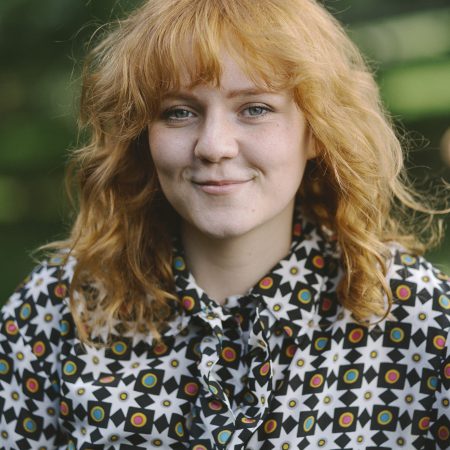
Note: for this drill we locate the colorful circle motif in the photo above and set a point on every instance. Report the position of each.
(318, 262)
(60, 290)
(64, 327)
(285, 446)
(408, 260)
(4, 367)
(326, 304)
(392, 376)
(304, 296)
(119, 348)
(424, 423)
(248, 420)
(224, 436)
(32, 385)
(397, 335)
(444, 301)
(447, 371)
(29, 425)
(107, 379)
(264, 370)
(215, 405)
(123, 396)
(290, 351)
(293, 270)
(64, 408)
(25, 311)
(39, 348)
(443, 433)
(288, 330)
(316, 381)
(439, 342)
(191, 388)
(297, 231)
(179, 263)
(266, 283)
(138, 420)
(188, 302)
(270, 426)
(292, 403)
(356, 335)
(97, 414)
(229, 354)
(346, 419)
(384, 417)
(160, 348)
(149, 380)
(432, 383)
(199, 447)
(179, 429)
(11, 328)
(320, 343)
(403, 292)
(213, 389)
(309, 423)
(69, 368)
(351, 376)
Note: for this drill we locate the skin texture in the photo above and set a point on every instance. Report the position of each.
(230, 160)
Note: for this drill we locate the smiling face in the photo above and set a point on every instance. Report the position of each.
(230, 159)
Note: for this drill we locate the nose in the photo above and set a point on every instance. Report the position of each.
(217, 139)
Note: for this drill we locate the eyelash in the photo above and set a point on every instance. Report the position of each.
(168, 114)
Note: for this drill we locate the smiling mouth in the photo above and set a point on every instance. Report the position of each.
(220, 187)
(220, 182)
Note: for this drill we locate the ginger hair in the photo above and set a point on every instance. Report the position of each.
(356, 186)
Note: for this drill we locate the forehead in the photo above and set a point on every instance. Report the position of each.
(231, 75)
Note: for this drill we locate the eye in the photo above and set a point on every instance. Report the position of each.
(256, 111)
(177, 114)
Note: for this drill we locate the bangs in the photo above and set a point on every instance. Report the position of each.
(187, 42)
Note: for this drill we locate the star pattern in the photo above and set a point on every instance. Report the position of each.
(283, 367)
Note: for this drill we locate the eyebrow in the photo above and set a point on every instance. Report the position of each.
(247, 92)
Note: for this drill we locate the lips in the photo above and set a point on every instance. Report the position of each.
(220, 187)
(219, 182)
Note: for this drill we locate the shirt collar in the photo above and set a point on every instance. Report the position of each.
(298, 293)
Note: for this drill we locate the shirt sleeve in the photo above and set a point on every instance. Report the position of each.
(29, 367)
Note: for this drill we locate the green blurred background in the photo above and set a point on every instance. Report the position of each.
(42, 44)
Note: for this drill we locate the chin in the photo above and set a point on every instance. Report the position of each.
(224, 230)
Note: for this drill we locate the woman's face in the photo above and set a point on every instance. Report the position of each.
(231, 158)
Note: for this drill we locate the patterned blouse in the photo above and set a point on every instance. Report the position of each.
(283, 367)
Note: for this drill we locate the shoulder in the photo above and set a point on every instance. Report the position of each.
(40, 301)
(421, 294)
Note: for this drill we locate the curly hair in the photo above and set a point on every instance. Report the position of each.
(355, 187)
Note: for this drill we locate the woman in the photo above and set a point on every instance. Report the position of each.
(244, 269)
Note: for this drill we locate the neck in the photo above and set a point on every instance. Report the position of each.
(231, 266)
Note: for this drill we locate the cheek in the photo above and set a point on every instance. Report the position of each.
(164, 152)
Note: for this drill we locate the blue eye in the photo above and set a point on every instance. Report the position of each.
(255, 111)
(177, 114)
